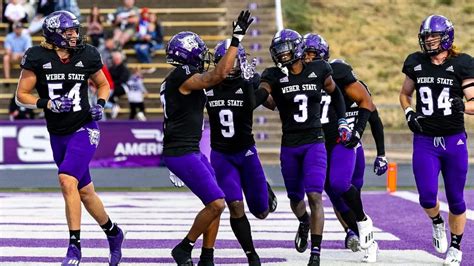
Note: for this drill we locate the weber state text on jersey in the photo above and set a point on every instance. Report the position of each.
(298, 100)
(183, 113)
(435, 85)
(343, 75)
(55, 79)
(230, 107)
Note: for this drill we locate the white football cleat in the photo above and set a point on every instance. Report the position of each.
(371, 253)
(366, 233)
(454, 257)
(440, 242)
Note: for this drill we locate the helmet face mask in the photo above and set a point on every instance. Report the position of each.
(221, 49)
(436, 35)
(286, 47)
(187, 48)
(57, 28)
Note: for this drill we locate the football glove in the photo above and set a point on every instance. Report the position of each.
(175, 180)
(457, 105)
(354, 139)
(344, 130)
(413, 120)
(380, 165)
(61, 105)
(239, 27)
(248, 70)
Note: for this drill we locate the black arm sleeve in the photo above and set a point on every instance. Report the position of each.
(339, 104)
(376, 127)
(261, 95)
(362, 119)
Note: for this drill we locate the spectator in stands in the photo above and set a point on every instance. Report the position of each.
(106, 49)
(120, 76)
(15, 12)
(126, 20)
(136, 93)
(43, 9)
(16, 112)
(68, 5)
(16, 44)
(95, 30)
(149, 37)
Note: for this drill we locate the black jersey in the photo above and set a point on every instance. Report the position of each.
(230, 108)
(298, 100)
(435, 85)
(55, 79)
(183, 113)
(343, 75)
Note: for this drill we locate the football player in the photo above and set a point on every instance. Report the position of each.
(296, 89)
(183, 98)
(345, 178)
(59, 69)
(440, 76)
(234, 156)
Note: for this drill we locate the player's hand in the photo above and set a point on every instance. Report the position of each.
(175, 180)
(380, 165)
(413, 120)
(240, 27)
(344, 130)
(457, 105)
(97, 112)
(354, 139)
(61, 105)
(248, 70)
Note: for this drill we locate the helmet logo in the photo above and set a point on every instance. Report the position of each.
(189, 43)
(53, 23)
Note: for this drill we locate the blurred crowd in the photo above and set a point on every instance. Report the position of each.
(129, 27)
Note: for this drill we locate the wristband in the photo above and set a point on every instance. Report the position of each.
(42, 103)
(101, 102)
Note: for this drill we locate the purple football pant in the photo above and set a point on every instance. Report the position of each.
(303, 169)
(242, 171)
(197, 174)
(447, 154)
(72, 153)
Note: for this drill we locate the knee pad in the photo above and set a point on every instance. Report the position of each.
(428, 204)
(457, 208)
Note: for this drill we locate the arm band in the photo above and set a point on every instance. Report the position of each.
(376, 127)
(261, 95)
(101, 102)
(362, 119)
(42, 103)
(234, 42)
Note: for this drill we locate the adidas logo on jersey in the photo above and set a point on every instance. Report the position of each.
(47, 66)
(450, 69)
(460, 142)
(284, 79)
(210, 93)
(354, 105)
(249, 153)
(239, 91)
(312, 75)
(417, 68)
(79, 64)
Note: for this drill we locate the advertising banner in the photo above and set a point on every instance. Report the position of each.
(122, 144)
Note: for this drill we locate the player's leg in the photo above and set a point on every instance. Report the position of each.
(291, 160)
(95, 207)
(254, 184)
(454, 168)
(314, 175)
(359, 169)
(426, 168)
(228, 178)
(194, 172)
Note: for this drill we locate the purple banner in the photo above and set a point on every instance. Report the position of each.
(122, 144)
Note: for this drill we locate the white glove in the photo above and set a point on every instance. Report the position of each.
(175, 180)
(248, 70)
